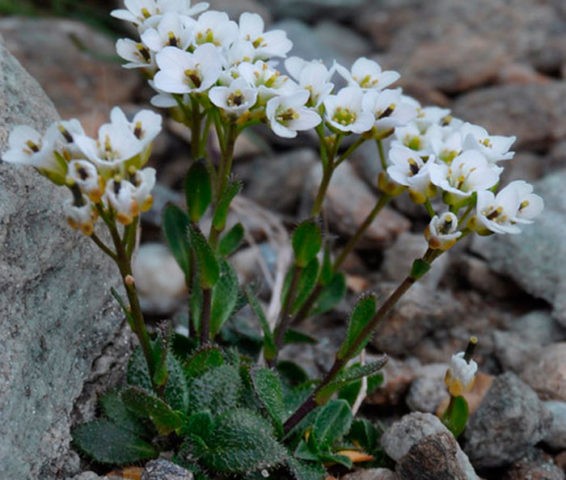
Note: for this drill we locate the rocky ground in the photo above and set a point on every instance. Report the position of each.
(497, 63)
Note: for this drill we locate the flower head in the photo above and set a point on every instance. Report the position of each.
(460, 375)
(235, 99)
(344, 111)
(287, 114)
(266, 44)
(409, 169)
(442, 231)
(367, 74)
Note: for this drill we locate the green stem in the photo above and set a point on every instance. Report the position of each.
(351, 149)
(382, 158)
(285, 317)
(339, 362)
(103, 246)
(205, 316)
(195, 129)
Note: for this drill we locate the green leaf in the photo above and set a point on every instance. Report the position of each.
(216, 390)
(124, 308)
(292, 373)
(349, 375)
(306, 470)
(175, 225)
(221, 211)
(350, 391)
(306, 241)
(159, 353)
(326, 270)
(365, 434)
(419, 268)
(267, 387)
(145, 404)
(202, 361)
(362, 314)
(456, 416)
(294, 336)
(330, 457)
(198, 190)
(331, 423)
(241, 442)
(114, 409)
(198, 424)
(331, 294)
(231, 240)
(306, 283)
(306, 451)
(108, 443)
(269, 348)
(137, 374)
(224, 297)
(208, 267)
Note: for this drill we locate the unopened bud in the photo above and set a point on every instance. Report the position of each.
(129, 280)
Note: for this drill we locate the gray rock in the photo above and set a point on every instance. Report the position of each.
(421, 311)
(79, 84)
(277, 181)
(400, 437)
(315, 9)
(87, 476)
(372, 474)
(347, 204)
(234, 8)
(428, 389)
(162, 469)
(513, 351)
(533, 113)
(536, 259)
(555, 438)
(509, 421)
(547, 373)
(55, 311)
(346, 43)
(400, 256)
(535, 465)
(424, 449)
(436, 457)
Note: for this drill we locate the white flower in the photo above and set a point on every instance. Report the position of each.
(288, 114)
(407, 168)
(116, 144)
(172, 30)
(145, 125)
(469, 172)
(266, 79)
(81, 215)
(143, 181)
(266, 44)
(85, 175)
(137, 54)
(493, 147)
(235, 99)
(344, 111)
(427, 116)
(240, 51)
(367, 74)
(460, 375)
(445, 142)
(139, 12)
(215, 28)
(513, 204)
(390, 108)
(312, 76)
(442, 231)
(411, 137)
(184, 72)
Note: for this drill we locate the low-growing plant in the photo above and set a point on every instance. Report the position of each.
(223, 404)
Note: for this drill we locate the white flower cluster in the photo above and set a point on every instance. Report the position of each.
(105, 174)
(437, 152)
(232, 65)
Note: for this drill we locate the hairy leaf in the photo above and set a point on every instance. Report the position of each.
(332, 421)
(267, 386)
(306, 241)
(198, 190)
(175, 225)
(144, 404)
(216, 390)
(362, 314)
(231, 240)
(224, 297)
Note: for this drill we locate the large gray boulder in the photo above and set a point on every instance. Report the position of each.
(55, 311)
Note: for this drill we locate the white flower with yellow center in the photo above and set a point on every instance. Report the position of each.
(469, 172)
(344, 111)
(516, 203)
(407, 168)
(266, 44)
(141, 12)
(460, 375)
(268, 80)
(185, 72)
(215, 28)
(367, 74)
(84, 174)
(235, 99)
(288, 114)
(493, 147)
(137, 54)
(442, 231)
(81, 215)
(312, 76)
(390, 108)
(171, 31)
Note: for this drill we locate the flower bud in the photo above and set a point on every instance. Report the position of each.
(460, 375)
(442, 231)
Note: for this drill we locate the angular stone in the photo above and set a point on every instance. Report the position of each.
(162, 469)
(556, 436)
(372, 474)
(510, 420)
(437, 457)
(55, 310)
(536, 465)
